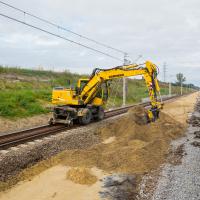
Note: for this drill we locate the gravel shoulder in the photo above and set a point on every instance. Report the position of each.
(182, 181)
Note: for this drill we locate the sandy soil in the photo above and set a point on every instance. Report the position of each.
(133, 150)
(180, 108)
(53, 184)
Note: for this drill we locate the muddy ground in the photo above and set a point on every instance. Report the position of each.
(124, 152)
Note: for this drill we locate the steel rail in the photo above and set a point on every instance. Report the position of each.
(15, 138)
(20, 137)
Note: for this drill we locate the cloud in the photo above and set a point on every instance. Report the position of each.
(162, 31)
(82, 53)
(15, 39)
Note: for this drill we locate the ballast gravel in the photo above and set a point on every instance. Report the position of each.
(182, 182)
(15, 159)
(21, 157)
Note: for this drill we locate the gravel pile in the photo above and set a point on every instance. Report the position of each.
(196, 144)
(182, 181)
(197, 134)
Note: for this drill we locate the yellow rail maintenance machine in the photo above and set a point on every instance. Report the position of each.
(86, 101)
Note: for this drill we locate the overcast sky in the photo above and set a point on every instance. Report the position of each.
(160, 30)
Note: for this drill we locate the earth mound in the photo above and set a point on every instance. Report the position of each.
(137, 148)
(81, 176)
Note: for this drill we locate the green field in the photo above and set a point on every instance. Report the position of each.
(137, 90)
(25, 92)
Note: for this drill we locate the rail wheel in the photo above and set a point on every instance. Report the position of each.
(100, 114)
(86, 118)
(50, 122)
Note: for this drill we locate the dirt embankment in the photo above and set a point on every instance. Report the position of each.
(136, 148)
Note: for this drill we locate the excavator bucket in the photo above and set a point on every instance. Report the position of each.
(152, 114)
(142, 116)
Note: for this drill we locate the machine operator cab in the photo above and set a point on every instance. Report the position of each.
(70, 105)
(71, 95)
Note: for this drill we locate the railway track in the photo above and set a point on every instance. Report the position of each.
(15, 138)
(20, 137)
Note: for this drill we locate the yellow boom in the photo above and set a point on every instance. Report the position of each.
(86, 101)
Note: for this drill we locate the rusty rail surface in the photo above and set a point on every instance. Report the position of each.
(20, 137)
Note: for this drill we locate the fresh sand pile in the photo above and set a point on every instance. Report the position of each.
(138, 148)
(81, 176)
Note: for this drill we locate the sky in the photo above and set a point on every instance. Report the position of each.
(162, 31)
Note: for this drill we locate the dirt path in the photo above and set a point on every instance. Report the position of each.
(127, 147)
(180, 108)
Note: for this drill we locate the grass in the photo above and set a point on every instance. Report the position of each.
(25, 92)
(136, 91)
(22, 103)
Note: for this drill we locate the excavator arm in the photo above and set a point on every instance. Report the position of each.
(84, 102)
(149, 72)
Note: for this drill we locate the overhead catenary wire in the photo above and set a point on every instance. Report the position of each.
(62, 28)
(59, 36)
(62, 37)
